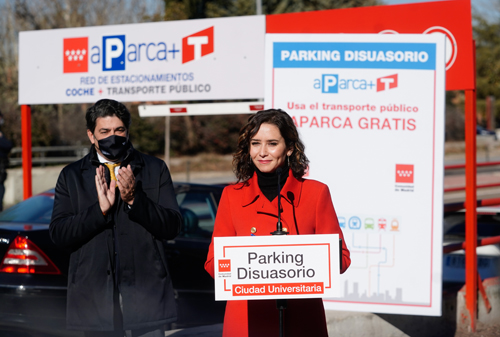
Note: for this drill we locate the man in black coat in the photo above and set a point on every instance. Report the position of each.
(114, 220)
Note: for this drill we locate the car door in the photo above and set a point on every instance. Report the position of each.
(187, 254)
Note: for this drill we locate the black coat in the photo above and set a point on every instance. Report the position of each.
(5, 147)
(135, 234)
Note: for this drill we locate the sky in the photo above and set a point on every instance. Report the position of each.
(482, 7)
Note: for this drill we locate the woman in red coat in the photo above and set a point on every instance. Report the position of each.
(267, 142)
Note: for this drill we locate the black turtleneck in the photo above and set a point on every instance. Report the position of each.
(268, 182)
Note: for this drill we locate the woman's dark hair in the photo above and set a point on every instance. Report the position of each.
(243, 166)
(106, 108)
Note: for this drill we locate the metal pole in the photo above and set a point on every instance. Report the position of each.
(258, 5)
(490, 100)
(489, 124)
(471, 200)
(26, 146)
(167, 141)
(281, 305)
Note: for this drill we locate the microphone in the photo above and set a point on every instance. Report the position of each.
(279, 227)
(278, 172)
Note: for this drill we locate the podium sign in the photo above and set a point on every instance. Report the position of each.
(274, 267)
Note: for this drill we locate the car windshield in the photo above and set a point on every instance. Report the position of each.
(484, 229)
(198, 210)
(37, 209)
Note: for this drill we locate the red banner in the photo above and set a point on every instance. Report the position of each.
(452, 18)
(301, 288)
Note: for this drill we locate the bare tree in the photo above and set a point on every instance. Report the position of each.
(23, 15)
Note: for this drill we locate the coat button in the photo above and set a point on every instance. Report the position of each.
(253, 230)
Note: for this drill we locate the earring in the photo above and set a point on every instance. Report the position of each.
(288, 158)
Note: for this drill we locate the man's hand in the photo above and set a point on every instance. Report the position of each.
(126, 184)
(105, 195)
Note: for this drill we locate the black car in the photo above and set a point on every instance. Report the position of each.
(488, 257)
(33, 271)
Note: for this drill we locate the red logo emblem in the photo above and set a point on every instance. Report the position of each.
(404, 173)
(388, 82)
(75, 55)
(224, 266)
(197, 45)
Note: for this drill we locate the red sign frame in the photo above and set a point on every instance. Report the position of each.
(452, 18)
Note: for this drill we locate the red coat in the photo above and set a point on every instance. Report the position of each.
(307, 209)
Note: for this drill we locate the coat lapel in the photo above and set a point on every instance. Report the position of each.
(266, 212)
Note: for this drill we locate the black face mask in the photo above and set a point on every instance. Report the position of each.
(113, 147)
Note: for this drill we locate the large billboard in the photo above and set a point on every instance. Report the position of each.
(211, 59)
(205, 59)
(370, 109)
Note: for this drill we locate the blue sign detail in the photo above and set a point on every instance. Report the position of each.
(173, 51)
(342, 222)
(354, 222)
(330, 84)
(113, 50)
(354, 55)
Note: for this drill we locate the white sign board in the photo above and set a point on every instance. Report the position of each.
(370, 109)
(203, 59)
(274, 267)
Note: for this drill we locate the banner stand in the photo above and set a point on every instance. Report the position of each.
(26, 146)
(471, 279)
(281, 306)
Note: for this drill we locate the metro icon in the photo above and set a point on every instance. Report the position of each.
(117, 50)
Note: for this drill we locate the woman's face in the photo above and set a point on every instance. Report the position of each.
(268, 148)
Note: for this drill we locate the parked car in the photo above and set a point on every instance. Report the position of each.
(480, 131)
(488, 257)
(33, 295)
